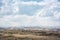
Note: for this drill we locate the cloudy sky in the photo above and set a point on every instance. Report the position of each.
(29, 13)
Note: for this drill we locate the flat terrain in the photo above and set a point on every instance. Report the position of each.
(29, 35)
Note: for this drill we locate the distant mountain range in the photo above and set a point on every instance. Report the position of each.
(30, 28)
(1, 28)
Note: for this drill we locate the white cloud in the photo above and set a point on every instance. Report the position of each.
(10, 8)
(33, 3)
(24, 20)
(50, 5)
(16, 20)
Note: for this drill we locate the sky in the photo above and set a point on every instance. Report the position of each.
(17, 13)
